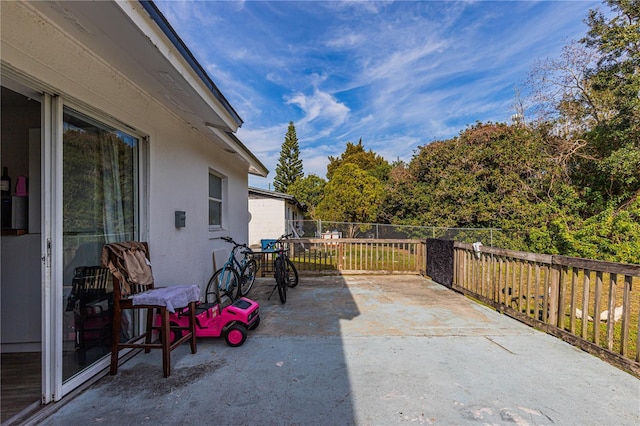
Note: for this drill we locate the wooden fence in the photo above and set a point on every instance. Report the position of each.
(593, 305)
(354, 256)
(590, 304)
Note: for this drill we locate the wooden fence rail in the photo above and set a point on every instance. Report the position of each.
(590, 304)
(354, 256)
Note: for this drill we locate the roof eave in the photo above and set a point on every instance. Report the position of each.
(157, 16)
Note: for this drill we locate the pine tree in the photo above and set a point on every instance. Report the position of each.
(289, 166)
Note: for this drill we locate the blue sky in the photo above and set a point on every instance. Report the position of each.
(399, 75)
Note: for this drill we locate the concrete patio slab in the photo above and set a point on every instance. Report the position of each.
(366, 350)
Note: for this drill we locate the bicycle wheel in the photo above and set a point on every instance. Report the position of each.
(279, 273)
(226, 280)
(247, 277)
(291, 275)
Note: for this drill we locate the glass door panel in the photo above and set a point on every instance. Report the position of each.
(100, 205)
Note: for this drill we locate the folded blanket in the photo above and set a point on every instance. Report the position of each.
(172, 297)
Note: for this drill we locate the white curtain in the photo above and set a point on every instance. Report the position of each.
(113, 208)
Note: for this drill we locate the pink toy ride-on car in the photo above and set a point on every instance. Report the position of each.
(219, 319)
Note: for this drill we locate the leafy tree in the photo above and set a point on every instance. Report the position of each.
(616, 75)
(590, 125)
(563, 96)
(368, 161)
(352, 195)
(289, 166)
(567, 182)
(590, 96)
(490, 176)
(309, 190)
(618, 70)
(398, 204)
(612, 235)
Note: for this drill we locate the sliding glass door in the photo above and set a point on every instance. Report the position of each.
(100, 181)
(75, 184)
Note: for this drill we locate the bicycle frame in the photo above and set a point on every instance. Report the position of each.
(227, 277)
(284, 270)
(233, 259)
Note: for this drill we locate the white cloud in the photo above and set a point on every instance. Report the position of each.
(343, 41)
(263, 141)
(397, 74)
(319, 108)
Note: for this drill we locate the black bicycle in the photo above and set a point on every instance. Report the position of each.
(284, 271)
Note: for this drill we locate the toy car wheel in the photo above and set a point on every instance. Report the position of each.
(235, 334)
(175, 333)
(255, 324)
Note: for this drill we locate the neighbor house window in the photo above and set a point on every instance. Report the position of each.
(215, 200)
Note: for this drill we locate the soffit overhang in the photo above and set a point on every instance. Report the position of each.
(135, 39)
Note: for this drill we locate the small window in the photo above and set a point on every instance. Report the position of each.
(215, 201)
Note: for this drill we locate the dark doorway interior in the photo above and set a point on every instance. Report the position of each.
(20, 288)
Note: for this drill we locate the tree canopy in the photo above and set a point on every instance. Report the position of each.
(491, 176)
(368, 161)
(351, 195)
(308, 190)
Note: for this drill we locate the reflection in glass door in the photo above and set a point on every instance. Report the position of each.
(100, 205)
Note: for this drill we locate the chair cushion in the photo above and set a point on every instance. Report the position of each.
(172, 297)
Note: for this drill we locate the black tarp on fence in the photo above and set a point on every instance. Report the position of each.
(440, 261)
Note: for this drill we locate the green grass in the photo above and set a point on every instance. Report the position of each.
(524, 287)
(357, 257)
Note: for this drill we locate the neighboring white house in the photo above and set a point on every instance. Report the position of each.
(120, 131)
(271, 214)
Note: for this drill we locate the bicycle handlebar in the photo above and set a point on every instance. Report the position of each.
(236, 245)
(284, 237)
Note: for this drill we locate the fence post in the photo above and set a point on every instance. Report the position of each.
(613, 278)
(554, 297)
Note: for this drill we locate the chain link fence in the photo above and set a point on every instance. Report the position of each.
(330, 230)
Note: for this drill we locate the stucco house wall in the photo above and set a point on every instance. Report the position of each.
(271, 213)
(267, 219)
(179, 157)
(52, 48)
